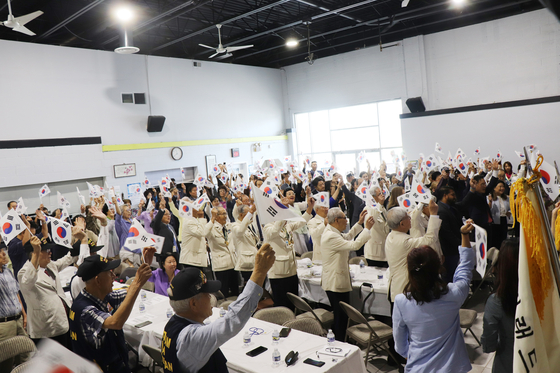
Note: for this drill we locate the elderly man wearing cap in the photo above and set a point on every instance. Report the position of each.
(47, 307)
(96, 332)
(188, 345)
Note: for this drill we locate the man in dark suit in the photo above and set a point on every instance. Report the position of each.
(450, 231)
(474, 205)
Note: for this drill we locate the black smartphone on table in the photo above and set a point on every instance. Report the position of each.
(285, 332)
(257, 351)
(315, 363)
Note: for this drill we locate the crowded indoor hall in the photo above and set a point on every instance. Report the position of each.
(234, 187)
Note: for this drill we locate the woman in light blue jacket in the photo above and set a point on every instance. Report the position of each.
(426, 317)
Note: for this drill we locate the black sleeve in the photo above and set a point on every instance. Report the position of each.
(156, 223)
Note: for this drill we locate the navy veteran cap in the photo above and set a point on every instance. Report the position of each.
(94, 265)
(190, 282)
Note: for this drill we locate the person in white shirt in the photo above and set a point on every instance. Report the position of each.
(316, 228)
(223, 252)
(193, 246)
(374, 249)
(245, 240)
(419, 219)
(283, 274)
(335, 247)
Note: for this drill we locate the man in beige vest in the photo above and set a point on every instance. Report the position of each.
(335, 247)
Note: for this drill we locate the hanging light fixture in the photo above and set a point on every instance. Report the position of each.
(125, 16)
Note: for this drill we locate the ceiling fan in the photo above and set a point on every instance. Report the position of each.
(221, 48)
(17, 24)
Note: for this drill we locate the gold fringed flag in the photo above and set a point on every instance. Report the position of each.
(537, 317)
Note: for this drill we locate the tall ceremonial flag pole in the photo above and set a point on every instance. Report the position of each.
(537, 316)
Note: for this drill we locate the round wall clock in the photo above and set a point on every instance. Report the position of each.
(176, 153)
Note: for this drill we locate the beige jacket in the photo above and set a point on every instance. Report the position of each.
(245, 242)
(374, 249)
(419, 224)
(46, 316)
(193, 246)
(316, 228)
(222, 251)
(397, 247)
(278, 235)
(335, 247)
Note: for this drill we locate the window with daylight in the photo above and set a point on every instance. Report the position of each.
(340, 134)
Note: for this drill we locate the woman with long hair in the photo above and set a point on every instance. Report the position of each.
(499, 313)
(395, 193)
(426, 317)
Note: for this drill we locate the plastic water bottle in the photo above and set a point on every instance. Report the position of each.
(362, 266)
(142, 307)
(143, 295)
(169, 313)
(276, 358)
(246, 339)
(330, 337)
(222, 312)
(275, 337)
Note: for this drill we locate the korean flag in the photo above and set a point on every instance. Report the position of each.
(420, 193)
(44, 191)
(406, 202)
(185, 209)
(61, 232)
(322, 199)
(481, 247)
(269, 188)
(11, 226)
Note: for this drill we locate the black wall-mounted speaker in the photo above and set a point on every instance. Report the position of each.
(415, 105)
(155, 123)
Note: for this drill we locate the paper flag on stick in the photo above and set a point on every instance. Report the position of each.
(438, 148)
(322, 199)
(481, 247)
(520, 155)
(462, 166)
(362, 190)
(61, 232)
(138, 239)
(81, 197)
(270, 209)
(499, 156)
(477, 152)
(146, 182)
(10, 226)
(361, 156)
(62, 201)
(185, 209)
(20, 208)
(44, 191)
(406, 202)
(200, 201)
(269, 188)
(420, 193)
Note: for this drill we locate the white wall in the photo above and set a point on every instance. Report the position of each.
(507, 130)
(53, 92)
(508, 59)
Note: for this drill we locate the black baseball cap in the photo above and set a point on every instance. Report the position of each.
(190, 282)
(94, 265)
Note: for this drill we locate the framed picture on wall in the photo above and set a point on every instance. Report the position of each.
(210, 162)
(124, 170)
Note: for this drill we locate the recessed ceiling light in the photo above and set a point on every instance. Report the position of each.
(292, 42)
(124, 14)
(458, 2)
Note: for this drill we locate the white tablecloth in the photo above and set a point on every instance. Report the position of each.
(377, 304)
(234, 351)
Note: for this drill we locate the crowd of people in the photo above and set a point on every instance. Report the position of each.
(427, 250)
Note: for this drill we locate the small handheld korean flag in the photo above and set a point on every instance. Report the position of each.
(20, 208)
(11, 225)
(146, 182)
(431, 162)
(499, 156)
(164, 186)
(549, 180)
(64, 214)
(183, 173)
(185, 209)
(520, 155)
(481, 247)
(287, 160)
(138, 239)
(200, 201)
(269, 188)
(462, 166)
(406, 202)
(361, 157)
(61, 232)
(270, 209)
(62, 201)
(223, 177)
(81, 197)
(322, 199)
(44, 191)
(420, 193)
(406, 184)
(477, 152)
(199, 180)
(216, 170)
(438, 148)
(328, 175)
(362, 190)
(370, 201)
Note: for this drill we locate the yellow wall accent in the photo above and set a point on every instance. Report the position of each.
(171, 144)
